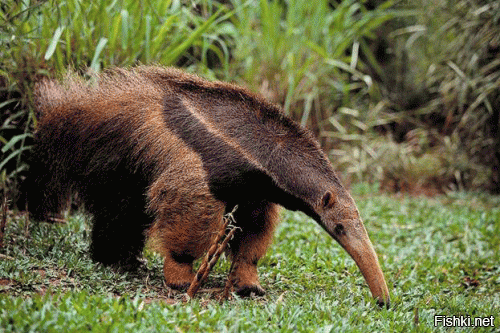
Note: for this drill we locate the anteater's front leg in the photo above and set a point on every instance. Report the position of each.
(187, 220)
(257, 222)
(182, 235)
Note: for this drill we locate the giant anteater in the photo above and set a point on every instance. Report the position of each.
(157, 152)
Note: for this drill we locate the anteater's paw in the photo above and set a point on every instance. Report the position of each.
(177, 275)
(131, 267)
(179, 286)
(134, 266)
(180, 279)
(250, 290)
(128, 265)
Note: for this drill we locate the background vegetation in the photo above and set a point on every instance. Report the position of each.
(402, 93)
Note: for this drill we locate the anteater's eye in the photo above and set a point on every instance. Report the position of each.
(328, 200)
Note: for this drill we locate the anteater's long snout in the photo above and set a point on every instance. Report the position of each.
(352, 236)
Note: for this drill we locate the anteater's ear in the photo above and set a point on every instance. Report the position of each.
(328, 200)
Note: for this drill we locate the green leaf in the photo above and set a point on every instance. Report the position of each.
(14, 140)
(125, 28)
(12, 155)
(7, 102)
(159, 39)
(176, 52)
(147, 39)
(53, 43)
(95, 65)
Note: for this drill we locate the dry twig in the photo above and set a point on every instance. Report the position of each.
(230, 281)
(213, 253)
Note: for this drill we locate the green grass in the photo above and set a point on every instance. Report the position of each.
(423, 72)
(306, 55)
(439, 255)
(77, 34)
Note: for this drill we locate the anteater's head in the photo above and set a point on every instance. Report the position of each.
(305, 176)
(338, 215)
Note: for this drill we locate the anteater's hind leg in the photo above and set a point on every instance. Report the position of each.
(257, 222)
(118, 240)
(43, 201)
(118, 207)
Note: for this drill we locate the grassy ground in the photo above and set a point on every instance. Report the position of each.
(440, 257)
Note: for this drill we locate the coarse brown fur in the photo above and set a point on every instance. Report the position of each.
(157, 152)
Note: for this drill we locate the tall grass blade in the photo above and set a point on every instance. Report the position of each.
(14, 140)
(173, 55)
(159, 39)
(125, 28)
(53, 43)
(12, 155)
(147, 39)
(95, 65)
